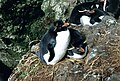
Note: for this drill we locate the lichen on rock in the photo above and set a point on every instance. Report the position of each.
(61, 8)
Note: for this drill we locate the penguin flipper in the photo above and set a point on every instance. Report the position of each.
(52, 55)
(41, 57)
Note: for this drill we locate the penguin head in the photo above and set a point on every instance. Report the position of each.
(60, 25)
(82, 48)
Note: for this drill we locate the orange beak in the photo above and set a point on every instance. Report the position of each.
(82, 50)
(66, 24)
(92, 11)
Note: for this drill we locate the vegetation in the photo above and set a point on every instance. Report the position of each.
(21, 21)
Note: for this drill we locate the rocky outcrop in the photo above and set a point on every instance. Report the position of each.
(18, 29)
(61, 9)
(101, 64)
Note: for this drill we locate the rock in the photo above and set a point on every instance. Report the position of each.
(61, 8)
(114, 77)
(5, 72)
(104, 66)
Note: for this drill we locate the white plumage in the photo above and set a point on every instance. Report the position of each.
(62, 42)
(78, 56)
(85, 21)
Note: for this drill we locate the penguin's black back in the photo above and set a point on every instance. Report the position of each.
(48, 42)
(77, 38)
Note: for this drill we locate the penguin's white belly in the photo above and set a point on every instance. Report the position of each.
(76, 56)
(85, 21)
(62, 42)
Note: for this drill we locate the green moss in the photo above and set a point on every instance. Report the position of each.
(17, 29)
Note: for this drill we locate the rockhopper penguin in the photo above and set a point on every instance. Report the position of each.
(54, 43)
